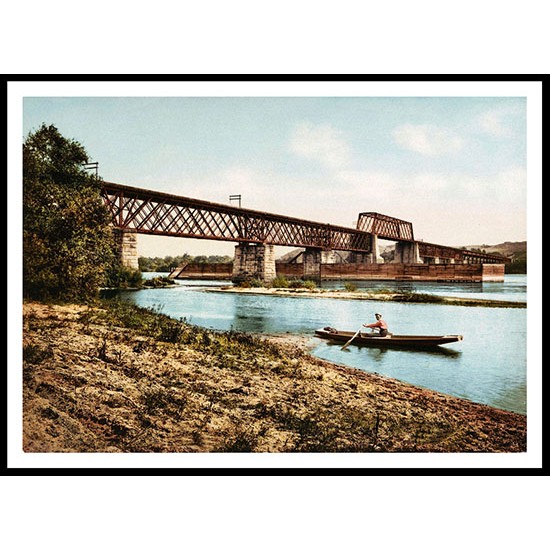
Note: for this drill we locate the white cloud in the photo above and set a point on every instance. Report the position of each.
(427, 140)
(446, 208)
(512, 185)
(493, 123)
(322, 143)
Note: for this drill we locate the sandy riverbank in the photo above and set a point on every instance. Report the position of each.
(102, 381)
(374, 296)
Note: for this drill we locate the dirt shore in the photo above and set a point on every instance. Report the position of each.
(96, 381)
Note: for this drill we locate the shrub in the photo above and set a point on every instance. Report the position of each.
(280, 282)
(120, 276)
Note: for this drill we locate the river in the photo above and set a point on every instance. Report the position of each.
(489, 366)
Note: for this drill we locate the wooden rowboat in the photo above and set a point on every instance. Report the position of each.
(391, 340)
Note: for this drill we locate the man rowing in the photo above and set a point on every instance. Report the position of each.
(380, 326)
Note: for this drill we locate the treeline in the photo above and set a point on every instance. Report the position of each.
(518, 266)
(168, 263)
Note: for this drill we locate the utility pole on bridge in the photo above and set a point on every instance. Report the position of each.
(235, 198)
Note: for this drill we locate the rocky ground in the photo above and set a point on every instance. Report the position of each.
(98, 379)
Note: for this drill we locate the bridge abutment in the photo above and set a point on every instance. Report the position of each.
(254, 261)
(407, 253)
(126, 243)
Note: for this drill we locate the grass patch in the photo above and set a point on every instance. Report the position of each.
(418, 298)
(154, 324)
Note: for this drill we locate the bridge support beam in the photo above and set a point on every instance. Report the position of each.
(126, 246)
(254, 261)
(407, 253)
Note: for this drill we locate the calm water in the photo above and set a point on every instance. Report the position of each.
(488, 366)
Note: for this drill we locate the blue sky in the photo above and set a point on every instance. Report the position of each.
(456, 167)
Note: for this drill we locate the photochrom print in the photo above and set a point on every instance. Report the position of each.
(301, 274)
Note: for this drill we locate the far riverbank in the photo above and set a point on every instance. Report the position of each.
(374, 296)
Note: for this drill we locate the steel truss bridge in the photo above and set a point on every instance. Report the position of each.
(155, 213)
(393, 229)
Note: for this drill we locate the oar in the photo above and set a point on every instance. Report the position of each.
(350, 340)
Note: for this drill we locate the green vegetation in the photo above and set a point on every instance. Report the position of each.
(279, 282)
(350, 287)
(283, 282)
(418, 297)
(168, 263)
(518, 265)
(120, 276)
(151, 322)
(68, 245)
(157, 282)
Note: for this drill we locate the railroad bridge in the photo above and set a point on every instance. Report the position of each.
(134, 210)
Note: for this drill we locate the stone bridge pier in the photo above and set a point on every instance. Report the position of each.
(126, 247)
(407, 253)
(368, 258)
(254, 261)
(312, 260)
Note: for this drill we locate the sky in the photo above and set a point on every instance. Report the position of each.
(455, 166)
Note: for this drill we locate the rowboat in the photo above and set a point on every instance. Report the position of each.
(391, 340)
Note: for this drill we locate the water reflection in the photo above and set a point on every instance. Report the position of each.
(438, 350)
(251, 323)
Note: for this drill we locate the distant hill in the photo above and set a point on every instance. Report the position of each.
(508, 249)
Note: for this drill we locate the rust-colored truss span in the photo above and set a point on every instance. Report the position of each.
(156, 213)
(385, 227)
(395, 229)
(428, 250)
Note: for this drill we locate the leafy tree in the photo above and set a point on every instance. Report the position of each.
(518, 264)
(67, 243)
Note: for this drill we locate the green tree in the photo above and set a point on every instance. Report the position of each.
(67, 243)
